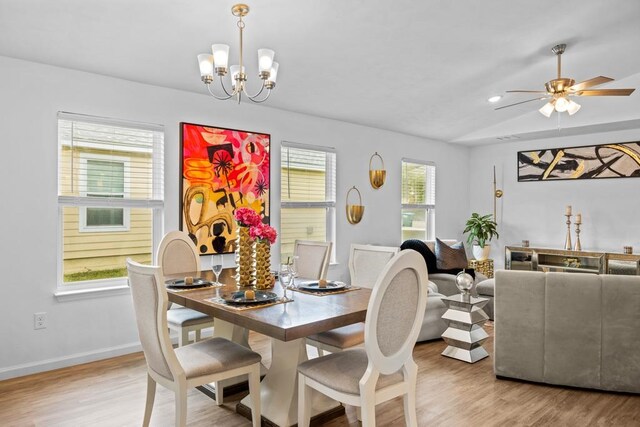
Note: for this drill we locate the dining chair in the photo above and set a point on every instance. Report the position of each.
(384, 368)
(312, 258)
(192, 365)
(178, 254)
(366, 262)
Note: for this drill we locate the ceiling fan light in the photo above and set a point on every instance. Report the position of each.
(562, 104)
(547, 109)
(573, 107)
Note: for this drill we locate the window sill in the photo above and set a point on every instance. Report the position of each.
(64, 295)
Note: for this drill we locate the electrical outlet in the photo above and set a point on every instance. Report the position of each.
(39, 320)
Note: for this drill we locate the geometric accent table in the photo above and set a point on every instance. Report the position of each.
(464, 334)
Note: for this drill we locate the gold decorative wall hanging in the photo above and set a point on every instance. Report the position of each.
(354, 212)
(377, 176)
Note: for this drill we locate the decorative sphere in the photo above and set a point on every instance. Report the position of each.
(464, 282)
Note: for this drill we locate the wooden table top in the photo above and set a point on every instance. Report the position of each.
(306, 315)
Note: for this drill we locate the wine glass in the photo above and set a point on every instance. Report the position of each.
(216, 266)
(293, 269)
(285, 277)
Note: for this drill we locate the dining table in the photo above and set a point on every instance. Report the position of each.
(287, 324)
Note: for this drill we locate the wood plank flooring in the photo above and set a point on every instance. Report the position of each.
(450, 393)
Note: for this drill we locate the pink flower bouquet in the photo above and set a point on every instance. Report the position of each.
(263, 232)
(247, 217)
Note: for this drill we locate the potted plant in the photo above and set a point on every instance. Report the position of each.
(481, 230)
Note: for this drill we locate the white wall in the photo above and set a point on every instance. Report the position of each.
(535, 210)
(32, 94)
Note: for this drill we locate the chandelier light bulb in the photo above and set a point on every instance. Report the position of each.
(547, 109)
(205, 62)
(273, 74)
(562, 104)
(234, 71)
(573, 107)
(265, 59)
(220, 55)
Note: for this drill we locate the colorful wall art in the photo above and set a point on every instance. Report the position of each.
(586, 162)
(221, 170)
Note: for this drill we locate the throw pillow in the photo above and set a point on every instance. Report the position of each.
(450, 257)
(422, 248)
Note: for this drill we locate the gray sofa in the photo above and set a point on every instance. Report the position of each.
(573, 329)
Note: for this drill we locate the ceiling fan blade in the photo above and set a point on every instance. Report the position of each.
(526, 91)
(605, 92)
(523, 102)
(589, 83)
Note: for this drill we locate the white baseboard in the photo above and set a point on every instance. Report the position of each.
(70, 360)
(65, 361)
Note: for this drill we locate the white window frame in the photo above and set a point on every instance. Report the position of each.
(104, 287)
(330, 181)
(430, 231)
(83, 227)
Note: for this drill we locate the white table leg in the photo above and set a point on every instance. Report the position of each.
(279, 389)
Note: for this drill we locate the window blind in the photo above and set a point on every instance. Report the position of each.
(308, 177)
(418, 184)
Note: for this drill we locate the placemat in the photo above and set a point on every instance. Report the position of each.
(197, 288)
(222, 302)
(325, 293)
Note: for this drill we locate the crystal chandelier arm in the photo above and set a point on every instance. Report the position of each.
(258, 101)
(221, 98)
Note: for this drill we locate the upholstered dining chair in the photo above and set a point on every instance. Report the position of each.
(384, 368)
(189, 366)
(366, 262)
(312, 258)
(178, 254)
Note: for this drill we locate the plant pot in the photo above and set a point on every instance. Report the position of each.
(481, 253)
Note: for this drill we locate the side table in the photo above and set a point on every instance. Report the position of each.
(484, 266)
(464, 334)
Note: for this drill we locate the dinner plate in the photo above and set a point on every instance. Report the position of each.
(315, 286)
(180, 283)
(239, 298)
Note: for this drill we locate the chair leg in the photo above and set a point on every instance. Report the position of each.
(304, 402)
(198, 335)
(320, 352)
(410, 373)
(151, 395)
(368, 412)
(183, 339)
(219, 392)
(359, 413)
(181, 407)
(254, 392)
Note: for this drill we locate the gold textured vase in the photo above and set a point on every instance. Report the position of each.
(245, 270)
(264, 280)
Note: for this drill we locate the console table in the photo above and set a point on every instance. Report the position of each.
(544, 259)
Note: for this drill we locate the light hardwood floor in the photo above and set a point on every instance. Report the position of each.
(450, 393)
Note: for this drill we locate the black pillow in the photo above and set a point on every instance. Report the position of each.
(422, 248)
(430, 258)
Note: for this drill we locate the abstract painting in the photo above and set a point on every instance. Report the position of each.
(221, 170)
(587, 162)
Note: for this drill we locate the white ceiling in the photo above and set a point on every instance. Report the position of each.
(424, 68)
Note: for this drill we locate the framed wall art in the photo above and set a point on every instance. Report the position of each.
(620, 160)
(221, 170)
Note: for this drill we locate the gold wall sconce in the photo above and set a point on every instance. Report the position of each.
(354, 212)
(496, 194)
(377, 176)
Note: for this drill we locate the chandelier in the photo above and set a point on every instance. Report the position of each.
(217, 63)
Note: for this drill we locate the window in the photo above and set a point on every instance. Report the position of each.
(307, 194)
(418, 200)
(110, 198)
(104, 176)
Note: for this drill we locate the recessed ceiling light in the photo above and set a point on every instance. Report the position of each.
(495, 98)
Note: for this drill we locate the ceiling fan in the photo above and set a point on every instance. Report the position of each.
(560, 90)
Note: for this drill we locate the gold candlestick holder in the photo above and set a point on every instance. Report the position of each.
(567, 242)
(578, 246)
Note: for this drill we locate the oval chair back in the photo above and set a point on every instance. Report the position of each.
(178, 254)
(150, 306)
(395, 312)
